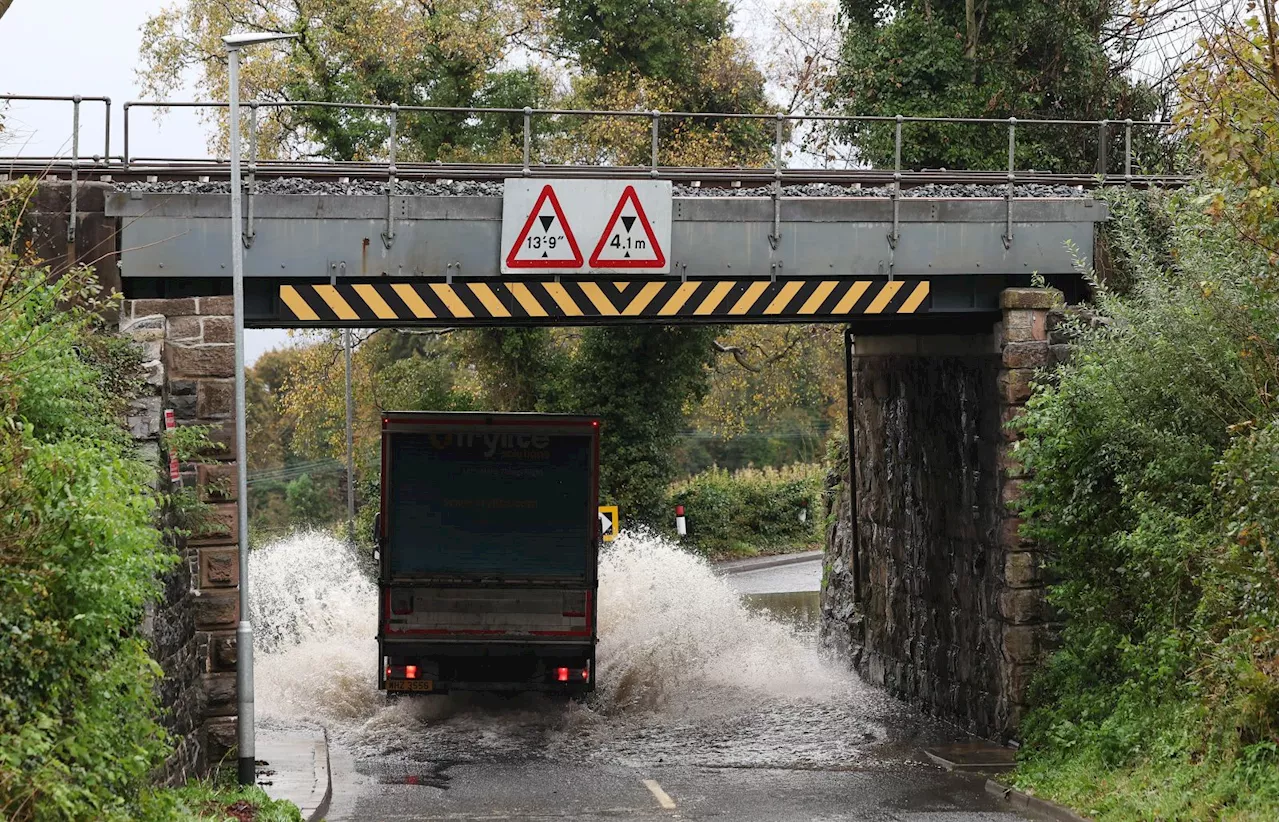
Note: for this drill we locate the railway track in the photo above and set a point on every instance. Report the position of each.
(152, 170)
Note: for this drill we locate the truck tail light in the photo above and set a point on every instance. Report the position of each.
(585, 674)
(411, 672)
(562, 674)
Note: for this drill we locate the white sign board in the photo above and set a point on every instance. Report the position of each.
(580, 226)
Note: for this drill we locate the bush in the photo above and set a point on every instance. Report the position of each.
(1154, 485)
(79, 558)
(750, 511)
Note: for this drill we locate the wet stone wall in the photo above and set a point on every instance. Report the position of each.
(189, 357)
(932, 593)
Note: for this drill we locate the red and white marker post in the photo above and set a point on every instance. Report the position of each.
(169, 424)
(680, 528)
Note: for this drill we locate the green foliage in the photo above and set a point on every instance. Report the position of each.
(1153, 483)
(639, 380)
(656, 39)
(190, 442)
(79, 558)
(750, 511)
(516, 366)
(1007, 58)
(14, 217)
(1229, 90)
(308, 504)
(218, 798)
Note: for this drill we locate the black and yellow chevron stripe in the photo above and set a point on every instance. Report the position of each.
(484, 302)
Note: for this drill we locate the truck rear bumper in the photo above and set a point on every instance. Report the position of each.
(508, 666)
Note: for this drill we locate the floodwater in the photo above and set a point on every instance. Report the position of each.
(688, 671)
(724, 697)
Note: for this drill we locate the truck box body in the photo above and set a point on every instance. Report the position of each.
(488, 537)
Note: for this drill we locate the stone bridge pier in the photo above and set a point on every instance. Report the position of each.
(929, 589)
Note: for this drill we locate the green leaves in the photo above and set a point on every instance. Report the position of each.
(79, 557)
(751, 511)
(1153, 485)
(952, 58)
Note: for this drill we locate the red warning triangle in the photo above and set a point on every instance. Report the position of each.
(546, 241)
(623, 244)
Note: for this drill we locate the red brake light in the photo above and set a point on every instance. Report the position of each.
(562, 674)
(585, 675)
(411, 672)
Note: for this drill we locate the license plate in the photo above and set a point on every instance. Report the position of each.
(410, 685)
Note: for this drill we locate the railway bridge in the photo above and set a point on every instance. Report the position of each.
(929, 589)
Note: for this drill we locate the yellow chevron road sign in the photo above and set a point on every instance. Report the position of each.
(573, 302)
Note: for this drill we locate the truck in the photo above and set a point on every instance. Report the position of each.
(487, 539)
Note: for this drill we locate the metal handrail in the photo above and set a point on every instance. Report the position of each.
(105, 158)
(655, 116)
(773, 172)
(392, 110)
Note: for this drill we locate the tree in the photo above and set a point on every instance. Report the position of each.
(764, 373)
(640, 380)
(658, 39)
(360, 51)
(671, 55)
(983, 58)
(516, 367)
(390, 370)
(1230, 89)
(309, 505)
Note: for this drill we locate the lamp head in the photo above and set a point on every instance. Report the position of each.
(235, 41)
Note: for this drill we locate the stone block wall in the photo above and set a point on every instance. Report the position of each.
(189, 351)
(1026, 348)
(930, 591)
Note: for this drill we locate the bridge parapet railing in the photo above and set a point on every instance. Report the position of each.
(756, 148)
(73, 156)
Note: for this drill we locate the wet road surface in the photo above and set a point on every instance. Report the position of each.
(798, 577)
(759, 729)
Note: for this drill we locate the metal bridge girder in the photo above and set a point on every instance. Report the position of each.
(720, 245)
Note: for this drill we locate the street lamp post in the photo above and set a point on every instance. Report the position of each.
(244, 630)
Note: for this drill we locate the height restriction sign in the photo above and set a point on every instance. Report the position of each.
(580, 226)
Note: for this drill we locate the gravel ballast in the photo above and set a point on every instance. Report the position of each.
(476, 188)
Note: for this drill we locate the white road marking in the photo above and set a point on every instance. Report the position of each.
(667, 803)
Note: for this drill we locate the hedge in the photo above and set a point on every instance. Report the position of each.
(750, 511)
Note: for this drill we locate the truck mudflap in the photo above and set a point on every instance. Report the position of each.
(435, 668)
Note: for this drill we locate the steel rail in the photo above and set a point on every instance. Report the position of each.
(209, 170)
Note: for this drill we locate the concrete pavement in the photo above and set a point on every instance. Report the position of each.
(738, 566)
(296, 768)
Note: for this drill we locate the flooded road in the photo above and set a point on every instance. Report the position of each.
(713, 702)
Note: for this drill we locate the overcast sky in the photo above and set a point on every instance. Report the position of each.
(90, 47)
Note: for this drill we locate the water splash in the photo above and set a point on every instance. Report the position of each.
(671, 632)
(314, 614)
(674, 638)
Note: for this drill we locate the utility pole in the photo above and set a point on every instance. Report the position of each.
(244, 630)
(351, 451)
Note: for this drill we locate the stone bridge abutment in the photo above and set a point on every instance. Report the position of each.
(189, 355)
(930, 591)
